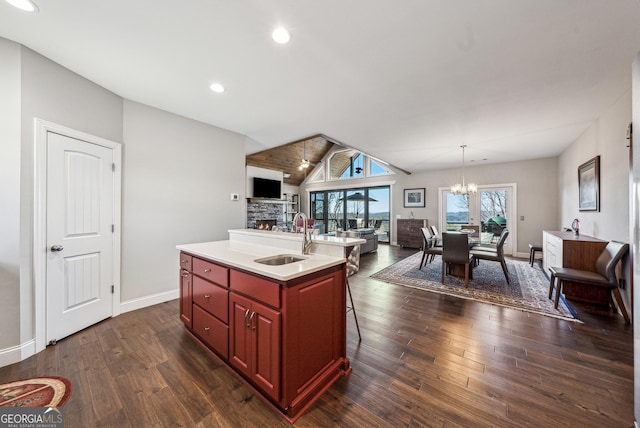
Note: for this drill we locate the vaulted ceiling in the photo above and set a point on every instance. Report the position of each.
(404, 81)
(288, 157)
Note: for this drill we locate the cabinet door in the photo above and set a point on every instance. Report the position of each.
(239, 333)
(186, 307)
(254, 343)
(265, 331)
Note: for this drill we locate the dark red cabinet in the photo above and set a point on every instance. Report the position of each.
(286, 339)
(254, 343)
(186, 313)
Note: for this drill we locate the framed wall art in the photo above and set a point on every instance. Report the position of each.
(414, 198)
(589, 185)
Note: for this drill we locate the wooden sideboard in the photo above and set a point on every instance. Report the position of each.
(409, 234)
(564, 249)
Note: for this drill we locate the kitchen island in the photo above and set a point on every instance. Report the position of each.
(280, 328)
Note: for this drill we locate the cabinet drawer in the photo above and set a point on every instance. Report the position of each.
(185, 261)
(211, 330)
(257, 288)
(211, 271)
(212, 298)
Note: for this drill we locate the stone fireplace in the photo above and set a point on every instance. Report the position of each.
(265, 214)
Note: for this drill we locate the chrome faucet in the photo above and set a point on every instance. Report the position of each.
(306, 236)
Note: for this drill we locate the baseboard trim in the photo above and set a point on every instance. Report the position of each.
(143, 302)
(21, 352)
(15, 354)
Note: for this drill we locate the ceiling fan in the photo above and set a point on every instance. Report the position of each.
(304, 163)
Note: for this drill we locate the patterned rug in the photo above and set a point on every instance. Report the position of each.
(528, 288)
(52, 391)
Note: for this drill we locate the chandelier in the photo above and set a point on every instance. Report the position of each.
(463, 189)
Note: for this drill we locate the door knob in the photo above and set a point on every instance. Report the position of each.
(57, 248)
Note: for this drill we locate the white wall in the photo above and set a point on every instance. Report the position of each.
(607, 138)
(634, 231)
(9, 193)
(536, 185)
(53, 93)
(177, 178)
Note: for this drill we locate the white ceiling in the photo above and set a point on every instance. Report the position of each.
(405, 81)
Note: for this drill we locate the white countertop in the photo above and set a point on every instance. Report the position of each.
(242, 255)
(289, 236)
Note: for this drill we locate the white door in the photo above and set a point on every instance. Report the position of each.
(80, 215)
(491, 209)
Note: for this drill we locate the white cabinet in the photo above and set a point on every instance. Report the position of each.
(552, 250)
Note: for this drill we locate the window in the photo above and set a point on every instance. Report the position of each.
(350, 163)
(355, 208)
(317, 176)
(377, 168)
(346, 164)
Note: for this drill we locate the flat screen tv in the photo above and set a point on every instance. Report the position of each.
(265, 188)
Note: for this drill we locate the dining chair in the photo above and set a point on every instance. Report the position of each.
(494, 256)
(493, 247)
(455, 250)
(429, 250)
(604, 275)
(353, 266)
(437, 242)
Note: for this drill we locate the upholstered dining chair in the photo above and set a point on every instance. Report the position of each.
(604, 275)
(495, 256)
(490, 247)
(429, 250)
(437, 241)
(455, 250)
(353, 266)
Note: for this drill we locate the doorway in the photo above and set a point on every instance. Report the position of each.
(76, 231)
(491, 209)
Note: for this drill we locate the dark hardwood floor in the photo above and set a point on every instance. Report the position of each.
(425, 360)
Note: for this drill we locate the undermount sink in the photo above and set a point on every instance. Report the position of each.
(280, 259)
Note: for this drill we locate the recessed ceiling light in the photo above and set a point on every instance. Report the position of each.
(281, 35)
(216, 87)
(26, 5)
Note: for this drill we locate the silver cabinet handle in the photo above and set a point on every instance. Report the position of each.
(57, 248)
(246, 314)
(207, 270)
(251, 321)
(206, 296)
(207, 329)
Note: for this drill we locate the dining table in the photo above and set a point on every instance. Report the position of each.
(475, 239)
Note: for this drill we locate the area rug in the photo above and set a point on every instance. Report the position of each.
(52, 391)
(528, 288)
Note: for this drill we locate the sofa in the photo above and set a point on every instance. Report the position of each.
(369, 234)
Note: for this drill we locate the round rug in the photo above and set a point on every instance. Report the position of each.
(50, 391)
